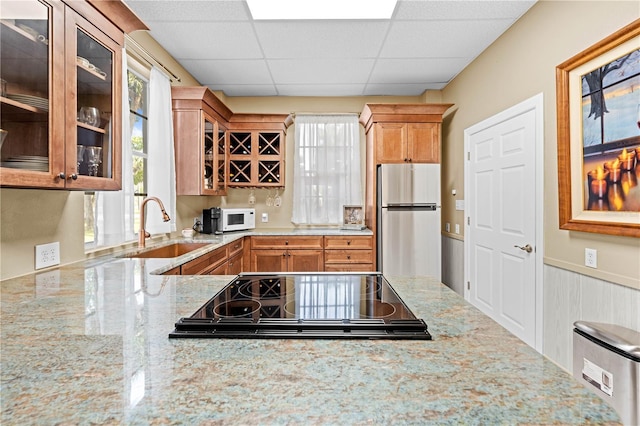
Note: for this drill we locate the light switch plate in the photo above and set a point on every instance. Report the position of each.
(591, 258)
(459, 204)
(265, 217)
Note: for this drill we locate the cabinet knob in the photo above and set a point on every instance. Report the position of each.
(62, 176)
(348, 242)
(73, 176)
(348, 257)
(286, 243)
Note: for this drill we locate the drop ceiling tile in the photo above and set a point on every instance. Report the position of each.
(439, 70)
(198, 40)
(243, 71)
(320, 89)
(245, 89)
(321, 39)
(320, 71)
(459, 10)
(451, 39)
(399, 89)
(174, 11)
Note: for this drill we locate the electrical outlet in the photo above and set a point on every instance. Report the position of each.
(591, 258)
(47, 255)
(447, 227)
(457, 228)
(265, 217)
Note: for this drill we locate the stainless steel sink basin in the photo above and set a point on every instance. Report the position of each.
(169, 251)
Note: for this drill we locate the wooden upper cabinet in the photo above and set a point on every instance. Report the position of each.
(61, 113)
(201, 141)
(404, 133)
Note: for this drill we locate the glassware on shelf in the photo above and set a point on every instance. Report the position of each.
(80, 153)
(252, 197)
(89, 115)
(95, 158)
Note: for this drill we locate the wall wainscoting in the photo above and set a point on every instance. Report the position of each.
(570, 296)
(567, 297)
(453, 264)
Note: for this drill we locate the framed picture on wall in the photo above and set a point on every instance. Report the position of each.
(598, 113)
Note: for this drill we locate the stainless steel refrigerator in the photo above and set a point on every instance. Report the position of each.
(409, 219)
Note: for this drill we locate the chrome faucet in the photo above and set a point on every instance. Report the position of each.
(142, 234)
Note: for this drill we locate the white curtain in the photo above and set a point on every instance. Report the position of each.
(114, 209)
(326, 170)
(161, 174)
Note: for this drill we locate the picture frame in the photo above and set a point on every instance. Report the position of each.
(589, 201)
(353, 217)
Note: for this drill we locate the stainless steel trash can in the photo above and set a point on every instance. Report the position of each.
(606, 359)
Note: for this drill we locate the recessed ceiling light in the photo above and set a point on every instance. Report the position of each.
(321, 9)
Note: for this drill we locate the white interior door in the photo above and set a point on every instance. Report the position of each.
(501, 233)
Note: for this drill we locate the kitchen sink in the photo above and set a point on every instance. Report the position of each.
(168, 251)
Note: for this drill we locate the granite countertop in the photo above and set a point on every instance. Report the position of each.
(87, 344)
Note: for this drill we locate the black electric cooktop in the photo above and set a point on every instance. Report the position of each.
(304, 305)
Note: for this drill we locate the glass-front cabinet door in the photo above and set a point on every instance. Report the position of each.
(92, 115)
(215, 165)
(28, 93)
(59, 97)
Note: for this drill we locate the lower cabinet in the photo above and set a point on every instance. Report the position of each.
(287, 254)
(225, 260)
(348, 253)
(235, 265)
(207, 263)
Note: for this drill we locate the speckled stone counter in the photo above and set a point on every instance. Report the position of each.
(87, 344)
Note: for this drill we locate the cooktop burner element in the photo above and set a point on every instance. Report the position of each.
(305, 305)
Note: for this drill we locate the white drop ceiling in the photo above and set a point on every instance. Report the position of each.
(422, 47)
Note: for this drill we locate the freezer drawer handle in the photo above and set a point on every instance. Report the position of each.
(413, 207)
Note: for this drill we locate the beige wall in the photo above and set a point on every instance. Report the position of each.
(519, 65)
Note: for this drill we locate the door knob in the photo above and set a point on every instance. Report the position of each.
(526, 248)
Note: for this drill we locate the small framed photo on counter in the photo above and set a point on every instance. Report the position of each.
(353, 217)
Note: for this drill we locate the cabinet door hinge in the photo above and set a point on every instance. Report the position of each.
(468, 155)
(468, 285)
(468, 220)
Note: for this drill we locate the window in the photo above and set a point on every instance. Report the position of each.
(106, 221)
(138, 120)
(326, 173)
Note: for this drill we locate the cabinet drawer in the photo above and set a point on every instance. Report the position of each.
(349, 267)
(349, 242)
(291, 242)
(348, 256)
(205, 263)
(236, 247)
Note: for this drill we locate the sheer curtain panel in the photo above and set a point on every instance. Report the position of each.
(326, 170)
(161, 178)
(114, 209)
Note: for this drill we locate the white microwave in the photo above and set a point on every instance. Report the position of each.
(216, 220)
